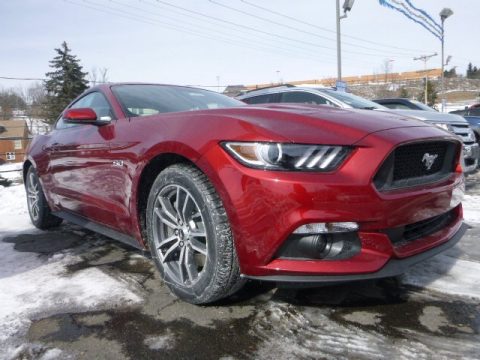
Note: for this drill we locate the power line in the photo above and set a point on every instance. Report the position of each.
(306, 32)
(245, 40)
(20, 78)
(326, 29)
(254, 29)
(134, 17)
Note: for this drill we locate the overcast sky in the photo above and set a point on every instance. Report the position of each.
(150, 41)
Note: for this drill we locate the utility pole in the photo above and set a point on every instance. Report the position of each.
(425, 58)
(444, 14)
(347, 6)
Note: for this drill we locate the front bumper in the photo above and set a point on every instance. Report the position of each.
(265, 207)
(471, 155)
(393, 267)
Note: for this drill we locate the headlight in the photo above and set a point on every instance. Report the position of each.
(296, 157)
(443, 126)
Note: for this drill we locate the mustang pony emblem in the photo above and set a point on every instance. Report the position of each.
(428, 160)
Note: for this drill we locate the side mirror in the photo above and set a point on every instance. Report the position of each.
(84, 116)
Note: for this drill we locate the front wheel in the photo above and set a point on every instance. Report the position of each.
(190, 237)
(38, 209)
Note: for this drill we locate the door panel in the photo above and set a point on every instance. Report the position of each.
(81, 165)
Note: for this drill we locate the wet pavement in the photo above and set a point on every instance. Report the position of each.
(364, 320)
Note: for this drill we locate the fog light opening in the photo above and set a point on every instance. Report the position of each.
(326, 241)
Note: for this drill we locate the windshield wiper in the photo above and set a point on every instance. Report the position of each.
(369, 108)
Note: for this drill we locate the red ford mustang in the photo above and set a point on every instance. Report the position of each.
(220, 192)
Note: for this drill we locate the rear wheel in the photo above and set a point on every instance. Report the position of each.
(189, 236)
(40, 213)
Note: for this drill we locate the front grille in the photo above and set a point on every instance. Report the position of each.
(408, 233)
(464, 132)
(416, 164)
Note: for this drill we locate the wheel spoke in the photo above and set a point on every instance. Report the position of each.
(181, 264)
(177, 200)
(167, 240)
(190, 264)
(35, 210)
(167, 208)
(184, 208)
(169, 251)
(198, 246)
(197, 233)
(163, 220)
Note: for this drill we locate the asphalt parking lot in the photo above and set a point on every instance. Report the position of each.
(431, 312)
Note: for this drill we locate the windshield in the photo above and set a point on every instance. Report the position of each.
(422, 106)
(144, 100)
(354, 101)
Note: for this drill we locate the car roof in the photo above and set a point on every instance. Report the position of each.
(111, 84)
(280, 89)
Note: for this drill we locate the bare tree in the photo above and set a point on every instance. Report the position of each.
(98, 76)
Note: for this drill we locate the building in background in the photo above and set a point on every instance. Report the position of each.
(14, 139)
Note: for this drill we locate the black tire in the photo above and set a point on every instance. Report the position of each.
(210, 269)
(38, 209)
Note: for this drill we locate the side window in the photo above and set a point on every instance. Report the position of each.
(95, 101)
(260, 99)
(304, 98)
(474, 112)
(399, 106)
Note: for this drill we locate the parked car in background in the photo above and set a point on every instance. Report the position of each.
(403, 104)
(472, 115)
(328, 96)
(220, 192)
(472, 110)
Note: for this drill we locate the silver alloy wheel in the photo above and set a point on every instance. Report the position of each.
(33, 196)
(179, 235)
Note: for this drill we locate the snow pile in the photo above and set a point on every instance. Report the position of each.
(36, 286)
(447, 274)
(13, 210)
(11, 171)
(471, 209)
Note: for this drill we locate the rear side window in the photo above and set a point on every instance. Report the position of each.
(303, 98)
(474, 112)
(397, 106)
(260, 99)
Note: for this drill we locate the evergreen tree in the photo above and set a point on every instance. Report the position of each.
(469, 70)
(432, 94)
(452, 73)
(64, 83)
(403, 93)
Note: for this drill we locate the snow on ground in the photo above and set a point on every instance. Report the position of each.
(11, 171)
(449, 272)
(32, 284)
(471, 209)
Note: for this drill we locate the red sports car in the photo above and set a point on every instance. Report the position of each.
(220, 192)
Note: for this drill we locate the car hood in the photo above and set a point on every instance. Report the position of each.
(431, 116)
(302, 123)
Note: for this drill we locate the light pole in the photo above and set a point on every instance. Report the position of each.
(347, 6)
(425, 58)
(444, 14)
